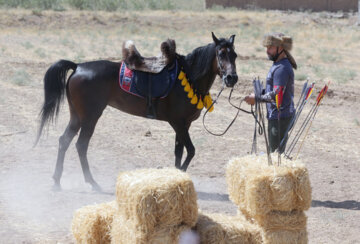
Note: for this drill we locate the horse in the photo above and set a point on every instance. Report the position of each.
(94, 85)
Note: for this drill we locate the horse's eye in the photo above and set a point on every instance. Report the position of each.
(222, 54)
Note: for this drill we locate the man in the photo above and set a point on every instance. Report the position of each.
(279, 91)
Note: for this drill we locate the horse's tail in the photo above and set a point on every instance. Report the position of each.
(54, 89)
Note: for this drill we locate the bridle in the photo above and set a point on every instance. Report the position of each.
(221, 73)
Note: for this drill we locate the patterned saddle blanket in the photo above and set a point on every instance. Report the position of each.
(140, 83)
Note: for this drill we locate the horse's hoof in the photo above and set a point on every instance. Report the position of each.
(183, 168)
(56, 187)
(96, 187)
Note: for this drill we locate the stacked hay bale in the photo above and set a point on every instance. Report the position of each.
(92, 224)
(222, 229)
(274, 197)
(154, 206)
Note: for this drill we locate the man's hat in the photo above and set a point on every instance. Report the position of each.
(278, 39)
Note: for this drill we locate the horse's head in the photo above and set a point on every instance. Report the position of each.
(226, 56)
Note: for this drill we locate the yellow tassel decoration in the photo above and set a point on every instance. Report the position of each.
(187, 87)
(184, 81)
(200, 104)
(207, 103)
(181, 75)
(194, 99)
(211, 109)
(191, 93)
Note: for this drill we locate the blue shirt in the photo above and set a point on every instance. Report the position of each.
(281, 74)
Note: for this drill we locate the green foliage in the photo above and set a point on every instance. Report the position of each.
(32, 4)
(40, 52)
(329, 55)
(27, 45)
(342, 75)
(21, 78)
(216, 7)
(105, 5)
(300, 76)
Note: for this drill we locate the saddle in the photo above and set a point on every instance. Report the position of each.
(150, 69)
(156, 64)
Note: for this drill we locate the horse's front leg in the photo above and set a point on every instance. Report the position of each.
(190, 151)
(183, 139)
(179, 149)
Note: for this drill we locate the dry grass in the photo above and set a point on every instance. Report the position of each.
(332, 61)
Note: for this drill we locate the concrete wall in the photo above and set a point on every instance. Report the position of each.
(314, 5)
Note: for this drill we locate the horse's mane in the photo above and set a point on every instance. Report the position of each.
(200, 59)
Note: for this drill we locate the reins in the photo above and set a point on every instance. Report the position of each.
(238, 111)
(212, 104)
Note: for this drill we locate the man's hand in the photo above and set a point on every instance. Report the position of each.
(250, 99)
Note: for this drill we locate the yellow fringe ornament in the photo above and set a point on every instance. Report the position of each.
(184, 81)
(211, 109)
(190, 93)
(207, 102)
(187, 87)
(194, 99)
(181, 75)
(200, 104)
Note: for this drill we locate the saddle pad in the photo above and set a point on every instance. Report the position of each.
(137, 82)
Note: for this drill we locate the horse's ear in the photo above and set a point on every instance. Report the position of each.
(215, 38)
(232, 39)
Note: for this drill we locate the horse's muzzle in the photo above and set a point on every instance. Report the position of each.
(231, 79)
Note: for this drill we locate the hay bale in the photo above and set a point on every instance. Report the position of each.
(279, 220)
(281, 227)
(124, 231)
(285, 237)
(92, 224)
(284, 227)
(259, 189)
(156, 197)
(222, 229)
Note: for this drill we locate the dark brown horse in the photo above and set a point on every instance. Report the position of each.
(94, 85)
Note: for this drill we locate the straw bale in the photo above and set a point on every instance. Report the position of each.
(222, 229)
(285, 237)
(92, 224)
(124, 231)
(258, 188)
(279, 220)
(156, 197)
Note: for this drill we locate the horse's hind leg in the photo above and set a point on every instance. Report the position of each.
(87, 130)
(64, 142)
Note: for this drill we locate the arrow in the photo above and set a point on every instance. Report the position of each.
(318, 101)
(309, 117)
(305, 95)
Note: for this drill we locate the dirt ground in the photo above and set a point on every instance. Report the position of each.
(30, 41)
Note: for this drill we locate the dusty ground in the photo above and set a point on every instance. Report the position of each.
(327, 48)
